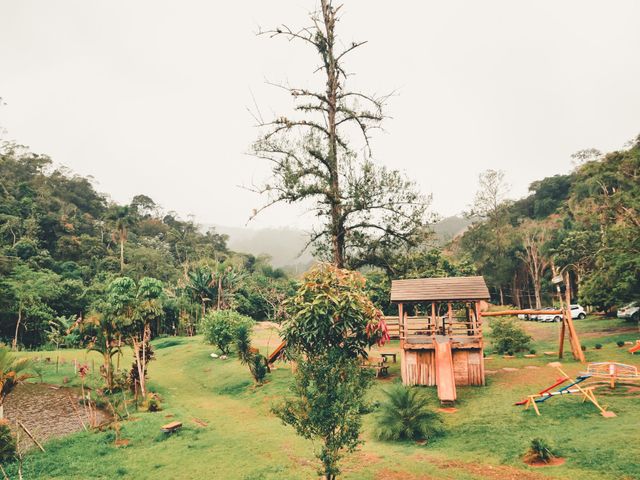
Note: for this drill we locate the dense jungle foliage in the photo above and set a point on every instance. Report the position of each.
(586, 223)
(62, 243)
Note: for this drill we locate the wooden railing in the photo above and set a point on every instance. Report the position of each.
(393, 327)
(423, 327)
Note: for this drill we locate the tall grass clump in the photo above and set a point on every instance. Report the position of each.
(540, 450)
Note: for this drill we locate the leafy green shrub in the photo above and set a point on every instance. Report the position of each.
(7, 443)
(620, 343)
(508, 336)
(539, 450)
(532, 351)
(220, 327)
(406, 416)
(152, 402)
(583, 348)
(598, 346)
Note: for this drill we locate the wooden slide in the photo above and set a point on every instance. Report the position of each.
(277, 353)
(444, 370)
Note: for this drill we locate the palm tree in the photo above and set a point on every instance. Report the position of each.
(199, 285)
(123, 219)
(226, 282)
(406, 416)
(10, 375)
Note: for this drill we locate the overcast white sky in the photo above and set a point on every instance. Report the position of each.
(151, 96)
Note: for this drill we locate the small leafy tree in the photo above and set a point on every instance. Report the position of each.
(10, 374)
(258, 368)
(219, 328)
(249, 355)
(406, 416)
(148, 307)
(331, 324)
(508, 336)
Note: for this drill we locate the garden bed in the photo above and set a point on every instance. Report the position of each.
(47, 411)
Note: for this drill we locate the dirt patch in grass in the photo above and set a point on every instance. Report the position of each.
(608, 332)
(448, 410)
(492, 472)
(554, 462)
(360, 460)
(387, 474)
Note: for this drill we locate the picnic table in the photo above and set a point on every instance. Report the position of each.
(379, 366)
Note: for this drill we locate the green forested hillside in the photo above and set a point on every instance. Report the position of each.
(61, 242)
(586, 223)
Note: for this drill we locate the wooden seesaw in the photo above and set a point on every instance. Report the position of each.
(572, 388)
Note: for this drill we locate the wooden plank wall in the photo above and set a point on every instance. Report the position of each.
(418, 367)
(468, 367)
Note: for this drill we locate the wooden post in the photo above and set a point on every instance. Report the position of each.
(449, 316)
(562, 333)
(578, 354)
(434, 323)
(563, 327)
(401, 324)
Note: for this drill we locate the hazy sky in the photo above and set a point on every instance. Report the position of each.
(152, 96)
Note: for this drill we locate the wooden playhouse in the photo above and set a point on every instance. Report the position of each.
(440, 329)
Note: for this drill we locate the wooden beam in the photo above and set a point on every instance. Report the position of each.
(503, 313)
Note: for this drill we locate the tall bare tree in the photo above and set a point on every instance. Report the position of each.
(535, 235)
(362, 207)
(490, 204)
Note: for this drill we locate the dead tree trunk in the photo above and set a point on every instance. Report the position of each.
(18, 322)
(313, 160)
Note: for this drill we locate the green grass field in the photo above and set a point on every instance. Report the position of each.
(485, 438)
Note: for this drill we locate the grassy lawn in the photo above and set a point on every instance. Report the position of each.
(485, 438)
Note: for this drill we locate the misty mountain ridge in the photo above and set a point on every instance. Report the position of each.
(284, 245)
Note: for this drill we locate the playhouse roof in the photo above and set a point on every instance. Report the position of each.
(434, 289)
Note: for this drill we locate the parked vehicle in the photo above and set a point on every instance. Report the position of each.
(577, 312)
(549, 317)
(545, 317)
(630, 311)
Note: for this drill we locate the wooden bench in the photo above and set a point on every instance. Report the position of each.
(381, 369)
(171, 427)
(386, 356)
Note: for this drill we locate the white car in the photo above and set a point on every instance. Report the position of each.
(630, 312)
(577, 312)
